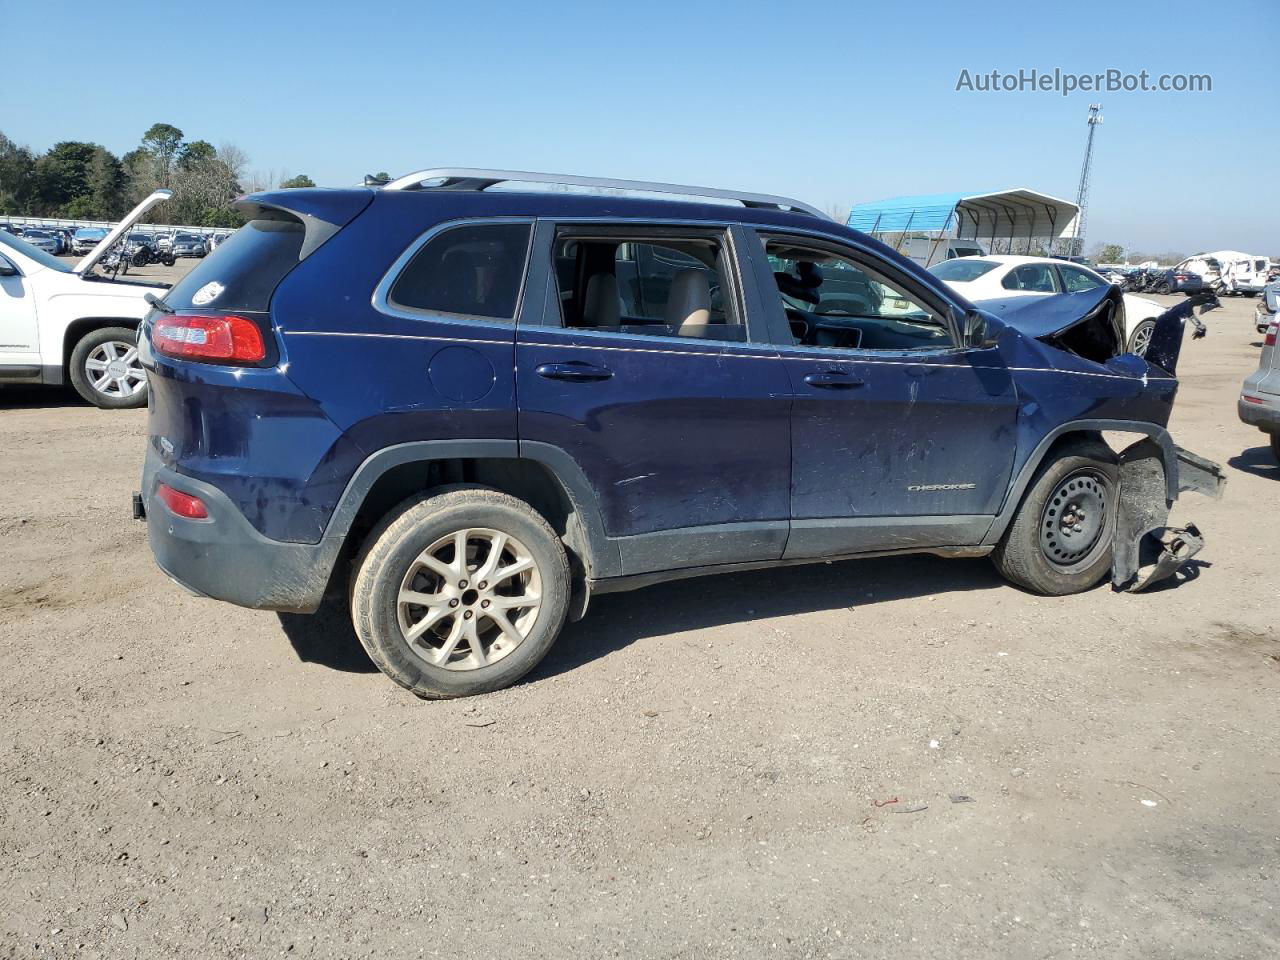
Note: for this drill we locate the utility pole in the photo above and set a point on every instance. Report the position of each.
(1082, 191)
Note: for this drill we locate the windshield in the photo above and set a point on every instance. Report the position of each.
(32, 253)
(961, 271)
(85, 233)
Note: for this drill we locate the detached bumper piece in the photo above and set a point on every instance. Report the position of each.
(1147, 550)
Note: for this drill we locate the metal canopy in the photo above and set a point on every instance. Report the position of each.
(1017, 214)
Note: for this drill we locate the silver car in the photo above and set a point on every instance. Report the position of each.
(1259, 403)
(42, 239)
(1268, 306)
(188, 245)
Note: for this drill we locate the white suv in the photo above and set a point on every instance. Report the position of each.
(59, 323)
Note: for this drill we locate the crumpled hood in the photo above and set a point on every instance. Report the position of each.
(1089, 324)
(1045, 316)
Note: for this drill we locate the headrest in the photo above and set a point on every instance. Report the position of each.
(600, 307)
(690, 299)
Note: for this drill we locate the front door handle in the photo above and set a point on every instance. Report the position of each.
(833, 380)
(575, 371)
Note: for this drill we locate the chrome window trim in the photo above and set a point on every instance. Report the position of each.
(382, 292)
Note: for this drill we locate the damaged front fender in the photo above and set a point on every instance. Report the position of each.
(1145, 549)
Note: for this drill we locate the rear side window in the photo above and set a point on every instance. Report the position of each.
(962, 271)
(242, 273)
(1079, 281)
(474, 270)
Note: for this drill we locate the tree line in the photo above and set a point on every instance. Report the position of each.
(86, 181)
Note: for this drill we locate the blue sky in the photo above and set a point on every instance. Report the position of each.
(833, 103)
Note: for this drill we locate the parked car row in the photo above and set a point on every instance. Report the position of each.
(55, 240)
(63, 241)
(1160, 280)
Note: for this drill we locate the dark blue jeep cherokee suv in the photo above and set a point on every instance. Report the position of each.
(471, 407)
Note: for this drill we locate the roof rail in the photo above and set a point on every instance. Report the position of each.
(464, 178)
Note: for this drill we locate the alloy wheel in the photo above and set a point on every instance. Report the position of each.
(1142, 338)
(469, 599)
(114, 370)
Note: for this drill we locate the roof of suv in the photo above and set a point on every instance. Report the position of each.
(315, 200)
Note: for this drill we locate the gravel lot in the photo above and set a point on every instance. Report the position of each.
(747, 766)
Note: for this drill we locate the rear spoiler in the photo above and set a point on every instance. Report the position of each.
(321, 212)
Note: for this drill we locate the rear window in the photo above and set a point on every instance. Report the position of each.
(245, 270)
(961, 271)
(474, 270)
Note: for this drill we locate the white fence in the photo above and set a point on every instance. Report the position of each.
(108, 224)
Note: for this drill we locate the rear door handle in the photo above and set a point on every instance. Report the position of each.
(833, 380)
(575, 371)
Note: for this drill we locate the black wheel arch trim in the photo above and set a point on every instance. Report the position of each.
(602, 553)
(1018, 485)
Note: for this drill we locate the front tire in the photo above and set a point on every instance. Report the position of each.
(106, 371)
(1060, 541)
(460, 592)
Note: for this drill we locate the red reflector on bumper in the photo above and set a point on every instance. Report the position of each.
(1248, 399)
(183, 504)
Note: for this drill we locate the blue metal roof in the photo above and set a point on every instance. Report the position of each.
(927, 211)
(1016, 211)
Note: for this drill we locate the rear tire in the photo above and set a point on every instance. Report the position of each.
(443, 627)
(91, 361)
(1045, 550)
(1275, 446)
(1140, 339)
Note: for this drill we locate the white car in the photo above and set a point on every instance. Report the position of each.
(1000, 277)
(59, 323)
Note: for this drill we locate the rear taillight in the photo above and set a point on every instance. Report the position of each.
(215, 338)
(1270, 340)
(183, 504)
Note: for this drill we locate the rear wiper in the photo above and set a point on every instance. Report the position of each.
(156, 302)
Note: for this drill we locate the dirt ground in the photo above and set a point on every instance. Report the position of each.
(746, 766)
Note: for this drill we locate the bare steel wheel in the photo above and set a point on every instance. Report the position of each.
(470, 599)
(1074, 518)
(1060, 539)
(461, 591)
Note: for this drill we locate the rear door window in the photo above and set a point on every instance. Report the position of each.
(473, 270)
(243, 272)
(1031, 278)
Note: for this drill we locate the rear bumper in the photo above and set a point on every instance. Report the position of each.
(224, 557)
(1265, 415)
